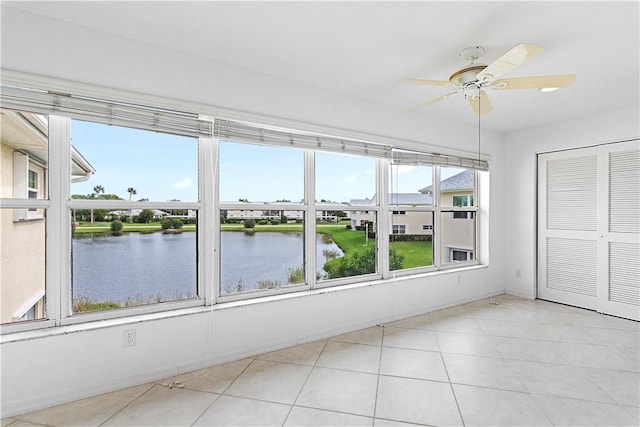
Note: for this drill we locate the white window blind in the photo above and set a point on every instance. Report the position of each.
(404, 157)
(257, 134)
(106, 112)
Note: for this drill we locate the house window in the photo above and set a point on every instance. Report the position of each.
(427, 227)
(457, 255)
(466, 200)
(399, 229)
(399, 212)
(462, 215)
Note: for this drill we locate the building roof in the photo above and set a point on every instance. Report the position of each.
(458, 182)
(398, 199)
(410, 199)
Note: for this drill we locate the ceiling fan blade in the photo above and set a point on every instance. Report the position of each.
(432, 101)
(539, 82)
(426, 82)
(480, 103)
(510, 60)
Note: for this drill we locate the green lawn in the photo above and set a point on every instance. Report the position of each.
(105, 227)
(416, 254)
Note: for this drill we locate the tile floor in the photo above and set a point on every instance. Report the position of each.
(517, 362)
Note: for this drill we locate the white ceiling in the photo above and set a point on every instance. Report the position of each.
(365, 48)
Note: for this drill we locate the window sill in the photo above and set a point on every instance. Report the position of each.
(51, 331)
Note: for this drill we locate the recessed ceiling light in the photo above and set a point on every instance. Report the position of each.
(548, 89)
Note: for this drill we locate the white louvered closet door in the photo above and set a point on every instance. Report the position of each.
(588, 228)
(619, 222)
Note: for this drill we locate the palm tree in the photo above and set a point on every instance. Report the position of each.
(131, 192)
(98, 189)
(96, 192)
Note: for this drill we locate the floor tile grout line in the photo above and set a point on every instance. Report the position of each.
(306, 380)
(153, 385)
(375, 399)
(206, 409)
(455, 398)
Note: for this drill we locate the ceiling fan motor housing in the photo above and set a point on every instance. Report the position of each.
(467, 75)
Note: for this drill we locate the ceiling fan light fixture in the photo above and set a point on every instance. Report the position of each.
(548, 89)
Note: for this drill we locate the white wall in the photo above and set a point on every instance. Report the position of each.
(44, 371)
(521, 149)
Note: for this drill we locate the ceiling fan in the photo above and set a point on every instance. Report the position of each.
(473, 77)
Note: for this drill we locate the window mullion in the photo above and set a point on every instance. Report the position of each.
(382, 233)
(58, 242)
(437, 231)
(208, 219)
(309, 255)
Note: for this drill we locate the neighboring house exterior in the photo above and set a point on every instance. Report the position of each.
(458, 228)
(23, 175)
(324, 215)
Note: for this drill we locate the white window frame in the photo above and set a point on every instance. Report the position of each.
(58, 296)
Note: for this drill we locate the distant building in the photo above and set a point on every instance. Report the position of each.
(458, 228)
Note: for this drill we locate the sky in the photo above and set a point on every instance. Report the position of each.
(164, 167)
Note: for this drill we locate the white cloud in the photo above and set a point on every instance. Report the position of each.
(350, 179)
(183, 183)
(402, 169)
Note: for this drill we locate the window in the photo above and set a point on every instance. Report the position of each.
(24, 157)
(411, 209)
(457, 238)
(346, 248)
(463, 215)
(465, 200)
(262, 231)
(399, 229)
(158, 212)
(134, 239)
(460, 255)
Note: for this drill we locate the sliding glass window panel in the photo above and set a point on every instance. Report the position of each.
(457, 236)
(410, 186)
(343, 179)
(127, 254)
(411, 239)
(260, 250)
(130, 264)
(255, 174)
(24, 160)
(22, 268)
(346, 250)
(457, 187)
(132, 165)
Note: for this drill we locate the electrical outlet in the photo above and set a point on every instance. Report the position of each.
(129, 338)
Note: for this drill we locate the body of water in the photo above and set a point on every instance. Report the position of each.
(144, 268)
